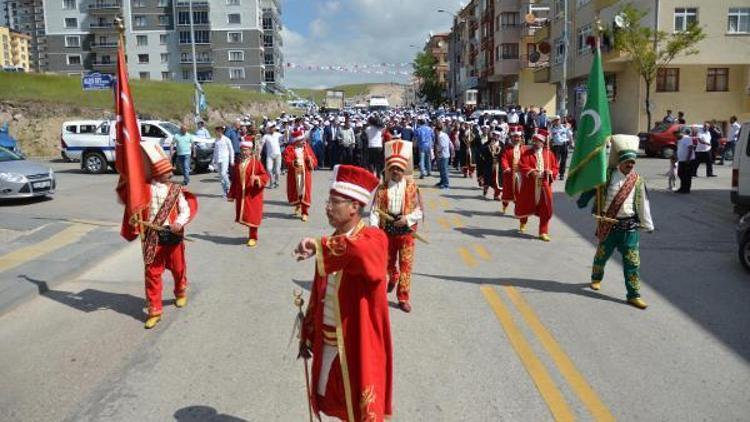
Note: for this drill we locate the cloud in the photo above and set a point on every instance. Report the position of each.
(360, 32)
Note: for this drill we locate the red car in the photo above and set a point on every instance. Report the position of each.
(661, 141)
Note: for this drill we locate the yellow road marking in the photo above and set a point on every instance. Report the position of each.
(432, 203)
(538, 373)
(444, 202)
(468, 258)
(444, 223)
(482, 252)
(457, 222)
(575, 379)
(59, 240)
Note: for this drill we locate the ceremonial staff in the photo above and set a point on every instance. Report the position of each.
(299, 302)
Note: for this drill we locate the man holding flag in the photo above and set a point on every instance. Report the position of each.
(156, 211)
(621, 206)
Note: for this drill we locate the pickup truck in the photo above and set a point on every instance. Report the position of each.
(92, 142)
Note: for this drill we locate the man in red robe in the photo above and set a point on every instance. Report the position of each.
(170, 209)
(396, 210)
(347, 326)
(250, 179)
(539, 169)
(511, 173)
(300, 161)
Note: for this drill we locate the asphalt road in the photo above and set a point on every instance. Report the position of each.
(503, 327)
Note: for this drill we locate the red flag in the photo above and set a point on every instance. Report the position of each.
(132, 187)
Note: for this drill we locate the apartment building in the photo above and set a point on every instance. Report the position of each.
(273, 57)
(14, 50)
(27, 17)
(230, 37)
(437, 46)
(714, 84)
(463, 50)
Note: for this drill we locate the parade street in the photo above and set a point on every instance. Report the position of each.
(503, 327)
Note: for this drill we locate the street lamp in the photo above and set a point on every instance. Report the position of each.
(445, 11)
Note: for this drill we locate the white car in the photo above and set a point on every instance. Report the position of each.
(740, 193)
(95, 148)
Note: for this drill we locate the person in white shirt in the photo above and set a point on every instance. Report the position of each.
(513, 117)
(272, 143)
(374, 133)
(202, 132)
(685, 158)
(732, 137)
(443, 156)
(703, 151)
(223, 158)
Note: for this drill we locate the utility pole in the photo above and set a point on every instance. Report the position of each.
(195, 64)
(564, 81)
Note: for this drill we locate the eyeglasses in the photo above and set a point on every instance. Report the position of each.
(336, 201)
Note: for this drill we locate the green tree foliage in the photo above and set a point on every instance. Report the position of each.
(651, 49)
(425, 70)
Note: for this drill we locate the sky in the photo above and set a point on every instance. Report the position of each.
(348, 32)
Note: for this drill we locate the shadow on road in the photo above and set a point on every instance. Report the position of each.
(203, 414)
(92, 300)
(208, 195)
(280, 216)
(550, 286)
(24, 201)
(690, 260)
(218, 239)
(279, 203)
(483, 233)
(477, 197)
(472, 213)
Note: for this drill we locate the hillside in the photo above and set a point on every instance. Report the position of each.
(37, 104)
(356, 92)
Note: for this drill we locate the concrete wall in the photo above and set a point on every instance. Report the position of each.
(531, 93)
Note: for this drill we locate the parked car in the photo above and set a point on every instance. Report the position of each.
(93, 143)
(499, 115)
(660, 141)
(740, 193)
(743, 241)
(7, 141)
(21, 178)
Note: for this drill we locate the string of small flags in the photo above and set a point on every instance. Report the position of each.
(377, 69)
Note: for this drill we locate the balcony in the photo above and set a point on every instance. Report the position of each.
(104, 64)
(542, 62)
(507, 67)
(201, 62)
(103, 26)
(196, 4)
(111, 7)
(542, 34)
(103, 45)
(542, 74)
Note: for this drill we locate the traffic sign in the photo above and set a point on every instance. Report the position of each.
(97, 81)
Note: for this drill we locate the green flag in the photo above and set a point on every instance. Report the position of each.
(588, 168)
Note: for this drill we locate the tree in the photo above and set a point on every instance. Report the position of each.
(651, 49)
(425, 70)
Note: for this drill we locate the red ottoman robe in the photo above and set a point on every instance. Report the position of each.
(248, 199)
(511, 179)
(536, 198)
(364, 365)
(310, 162)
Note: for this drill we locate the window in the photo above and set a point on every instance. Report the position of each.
(581, 3)
(163, 3)
(236, 56)
(143, 58)
(187, 75)
(267, 40)
(163, 20)
(559, 50)
(237, 73)
(267, 23)
(234, 37)
(668, 80)
(205, 75)
(71, 22)
(199, 18)
(201, 37)
(233, 18)
(268, 59)
(139, 21)
(739, 20)
(269, 76)
(141, 40)
(233, 2)
(509, 51)
(69, 4)
(163, 39)
(165, 76)
(509, 19)
(559, 8)
(583, 33)
(683, 17)
(164, 57)
(138, 3)
(74, 59)
(73, 41)
(144, 75)
(717, 79)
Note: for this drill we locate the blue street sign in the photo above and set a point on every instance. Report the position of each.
(96, 80)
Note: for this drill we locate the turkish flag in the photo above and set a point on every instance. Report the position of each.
(132, 188)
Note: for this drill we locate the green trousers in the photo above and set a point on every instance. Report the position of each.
(627, 242)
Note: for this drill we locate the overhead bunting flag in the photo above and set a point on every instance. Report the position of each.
(588, 168)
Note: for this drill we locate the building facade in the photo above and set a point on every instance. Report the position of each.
(27, 17)
(273, 57)
(14, 50)
(437, 47)
(713, 84)
(81, 36)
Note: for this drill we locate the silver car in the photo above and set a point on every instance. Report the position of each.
(20, 178)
